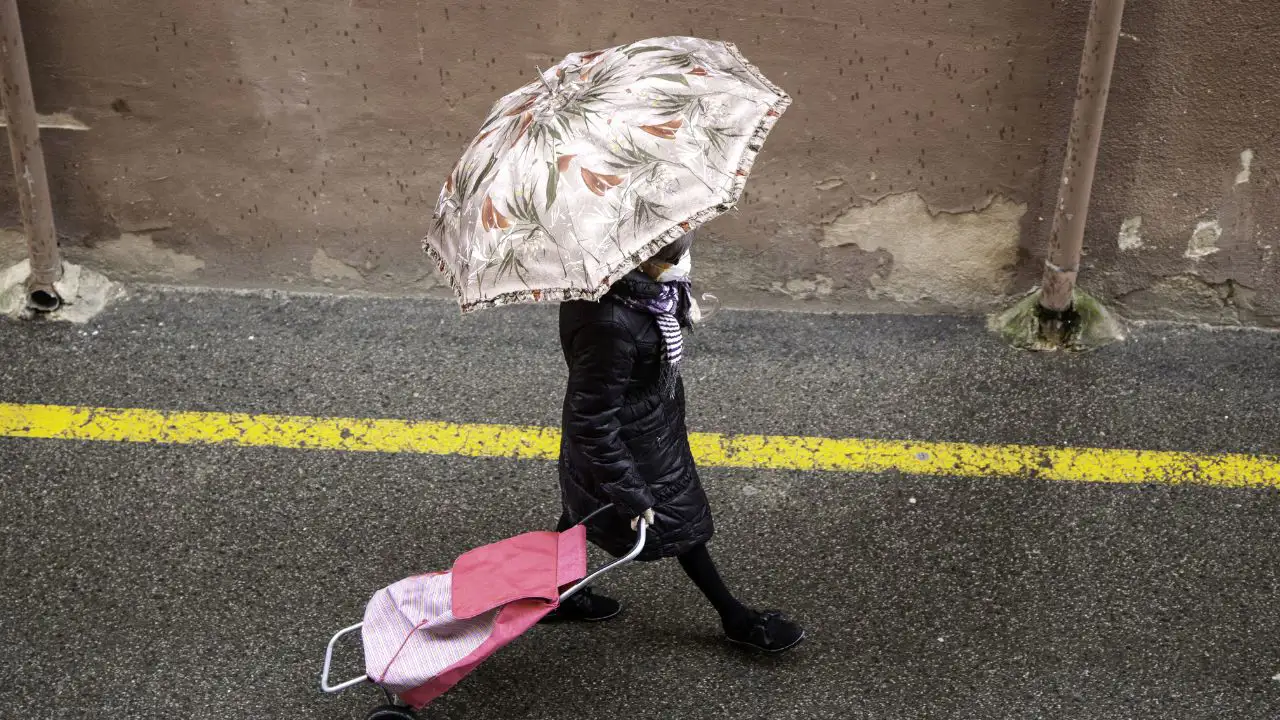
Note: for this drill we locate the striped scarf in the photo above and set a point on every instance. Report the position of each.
(664, 307)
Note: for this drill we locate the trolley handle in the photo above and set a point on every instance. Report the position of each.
(642, 532)
(328, 661)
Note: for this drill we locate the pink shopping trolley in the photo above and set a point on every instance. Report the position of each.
(425, 633)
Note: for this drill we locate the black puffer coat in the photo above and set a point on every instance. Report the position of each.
(625, 440)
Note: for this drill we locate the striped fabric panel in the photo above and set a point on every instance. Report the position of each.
(411, 636)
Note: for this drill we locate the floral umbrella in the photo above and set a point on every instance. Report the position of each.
(577, 178)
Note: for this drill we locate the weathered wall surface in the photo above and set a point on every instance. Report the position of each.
(266, 142)
(1186, 219)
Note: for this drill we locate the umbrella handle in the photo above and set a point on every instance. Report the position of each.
(704, 313)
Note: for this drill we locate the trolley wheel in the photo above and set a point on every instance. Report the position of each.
(392, 712)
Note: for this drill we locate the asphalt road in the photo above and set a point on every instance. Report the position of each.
(144, 581)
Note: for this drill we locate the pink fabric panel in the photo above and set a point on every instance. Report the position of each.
(525, 566)
(513, 620)
(573, 556)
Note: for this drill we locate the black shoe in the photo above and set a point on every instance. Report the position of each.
(585, 606)
(768, 632)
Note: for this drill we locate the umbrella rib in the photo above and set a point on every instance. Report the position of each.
(543, 78)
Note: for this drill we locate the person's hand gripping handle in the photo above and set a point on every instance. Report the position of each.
(648, 519)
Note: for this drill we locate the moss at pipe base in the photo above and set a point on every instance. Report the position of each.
(1088, 325)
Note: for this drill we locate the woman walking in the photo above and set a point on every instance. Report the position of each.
(625, 441)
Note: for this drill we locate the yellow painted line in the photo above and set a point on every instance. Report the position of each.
(774, 452)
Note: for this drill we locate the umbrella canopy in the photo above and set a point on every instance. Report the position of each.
(577, 178)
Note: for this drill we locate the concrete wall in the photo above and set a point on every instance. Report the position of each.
(267, 142)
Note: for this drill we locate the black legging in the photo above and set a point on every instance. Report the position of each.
(701, 569)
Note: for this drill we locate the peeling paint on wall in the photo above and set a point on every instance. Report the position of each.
(952, 258)
(1131, 234)
(803, 289)
(1246, 167)
(1204, 241)
(327, 268)
(1190, 298)
(137, 255)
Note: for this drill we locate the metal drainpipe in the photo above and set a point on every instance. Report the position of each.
(28, 164)
(1066, 240)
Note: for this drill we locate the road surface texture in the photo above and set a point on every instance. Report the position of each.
(167, 581)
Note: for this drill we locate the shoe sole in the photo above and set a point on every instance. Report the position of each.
(550, 620)
(766, 651)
